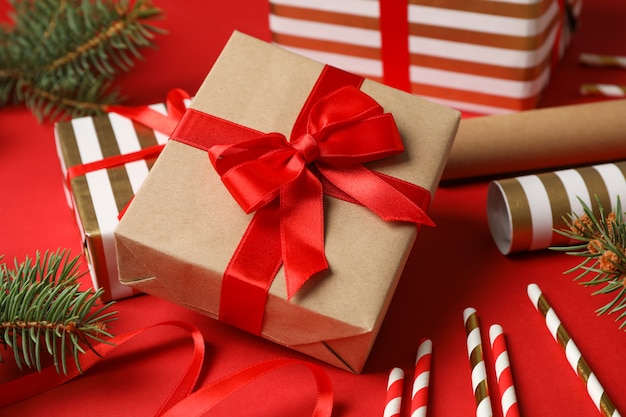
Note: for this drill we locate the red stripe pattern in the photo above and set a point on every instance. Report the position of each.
(508, 397)
(393, 401)
(421, 379)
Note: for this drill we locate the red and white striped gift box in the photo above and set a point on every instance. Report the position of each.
(481, 56)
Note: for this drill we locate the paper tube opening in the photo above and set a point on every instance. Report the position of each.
(499, 218)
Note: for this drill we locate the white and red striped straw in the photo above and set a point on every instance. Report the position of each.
(393, 401)
(508, 397)
(595, 390)
(477, 362)
(602, 60)
(421, 379)
(603, 90)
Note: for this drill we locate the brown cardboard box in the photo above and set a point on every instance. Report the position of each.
(183, 226)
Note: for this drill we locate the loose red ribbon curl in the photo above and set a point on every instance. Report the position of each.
(283, 182)
(182, 400)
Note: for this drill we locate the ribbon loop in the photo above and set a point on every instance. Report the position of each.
(338, 129)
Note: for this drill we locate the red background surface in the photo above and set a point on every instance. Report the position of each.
(453, 266)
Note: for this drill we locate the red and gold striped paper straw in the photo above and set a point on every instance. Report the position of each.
(508, 397)
(393, 401)
(600, 60)
(477, 361)
(603, 90)
(421, 379)
(595, 390)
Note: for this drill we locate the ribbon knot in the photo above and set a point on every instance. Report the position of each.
(307, 148)
(339, 129)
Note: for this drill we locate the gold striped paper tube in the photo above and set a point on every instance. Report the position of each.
(603, 90)
(421, 379)
(523, 211)
(483, 57)
(602, 60)
(393, 400)
(477, 362)
(98, 197)
(595, 390)
(504, 376)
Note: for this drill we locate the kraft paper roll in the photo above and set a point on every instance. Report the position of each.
(523, 211)
(539, 140)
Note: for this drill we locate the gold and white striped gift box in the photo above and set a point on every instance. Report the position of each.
(524, 211)
(99, 196)
(481, 56)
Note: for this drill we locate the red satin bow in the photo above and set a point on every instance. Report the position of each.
(343, 130)
(338, 129)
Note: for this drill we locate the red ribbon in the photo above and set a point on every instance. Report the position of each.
(181, 401)
(38, 382)
(395, 55)
(175, 104)
(205, 399)
(338, 129)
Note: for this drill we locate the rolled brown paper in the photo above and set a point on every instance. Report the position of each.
(538, 139)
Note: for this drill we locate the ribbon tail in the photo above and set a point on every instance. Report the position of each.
(391, 199)
(251, 270)
(35, 383)
(302, 230)
(147, 117)
(205, 399)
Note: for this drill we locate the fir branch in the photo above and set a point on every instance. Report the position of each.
(44, 311)
(603, 250)
(60, 56)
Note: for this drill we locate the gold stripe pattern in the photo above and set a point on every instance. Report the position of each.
(118, 177)
(521, 11)
(68, 137)
(559, 205)
(521, 219)
(591, 181)
(607, 408)
(603, 90)
(598, 60)
(477, 363)
(581, 368)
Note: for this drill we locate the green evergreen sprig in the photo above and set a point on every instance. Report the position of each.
(59, 58)
(603, 249)
(44, 311)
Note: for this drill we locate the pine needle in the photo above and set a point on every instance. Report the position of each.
(603, 248)
(43, 311)
(60, 56)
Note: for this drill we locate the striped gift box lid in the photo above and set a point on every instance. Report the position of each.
(484, 56)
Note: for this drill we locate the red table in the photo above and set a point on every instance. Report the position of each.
(453, 266)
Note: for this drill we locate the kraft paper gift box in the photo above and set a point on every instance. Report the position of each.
(177, 237)
(479, 56)
(99, 195)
